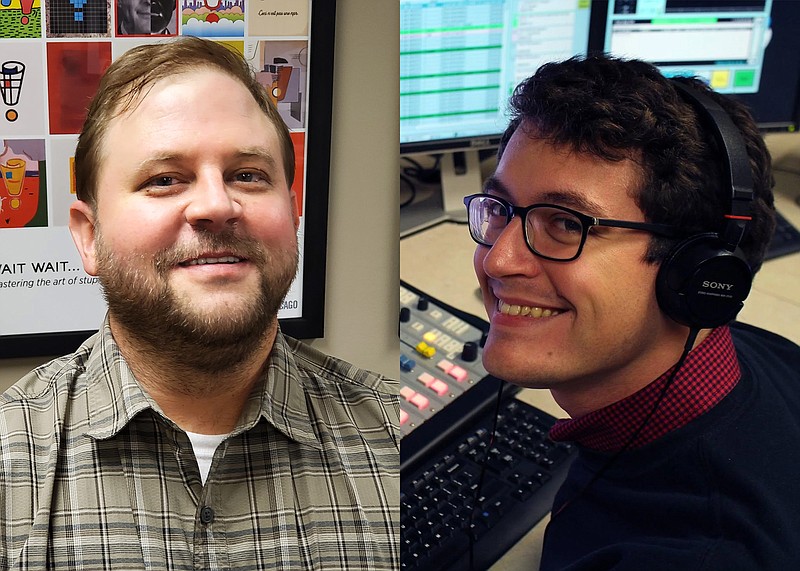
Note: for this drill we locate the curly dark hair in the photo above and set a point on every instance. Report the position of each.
(615, 109)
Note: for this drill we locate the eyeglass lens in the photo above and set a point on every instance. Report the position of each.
(549, 231)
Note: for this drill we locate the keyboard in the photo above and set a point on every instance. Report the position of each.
(786, 239)
(444, 501)
(462, 492)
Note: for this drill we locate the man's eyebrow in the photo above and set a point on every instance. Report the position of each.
(170, 157)
(577, 201)
(569, 198)
(259, 153)
(158, 160)
(494, 185)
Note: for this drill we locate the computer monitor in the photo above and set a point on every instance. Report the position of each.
(459, 62)
(749, 49)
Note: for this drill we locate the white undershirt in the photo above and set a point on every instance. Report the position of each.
(204, 446)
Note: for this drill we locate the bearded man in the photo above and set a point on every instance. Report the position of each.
(189, 432)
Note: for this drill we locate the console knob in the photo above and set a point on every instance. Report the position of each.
(422, 304)
(470, 352)
(405, 315)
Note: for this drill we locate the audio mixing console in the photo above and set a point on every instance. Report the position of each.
(448, 410)
(439, 360)
(441, 372)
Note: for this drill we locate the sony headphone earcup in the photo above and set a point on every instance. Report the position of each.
(702, 284)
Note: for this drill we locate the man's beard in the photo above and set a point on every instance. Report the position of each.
(169, 325)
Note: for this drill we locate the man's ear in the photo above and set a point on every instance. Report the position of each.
(295, 209)
(82, 228)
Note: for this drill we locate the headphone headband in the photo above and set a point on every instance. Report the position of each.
(734, 157)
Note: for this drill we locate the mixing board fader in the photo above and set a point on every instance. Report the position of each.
(439, 358)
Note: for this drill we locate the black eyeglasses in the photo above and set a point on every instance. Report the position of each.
(552, 232)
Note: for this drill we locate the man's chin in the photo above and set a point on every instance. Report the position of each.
(210, 341)
(517, 367)
(185, 320)
(210, 330)
(225, 320)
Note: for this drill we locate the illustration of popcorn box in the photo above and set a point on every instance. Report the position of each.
(11, 74)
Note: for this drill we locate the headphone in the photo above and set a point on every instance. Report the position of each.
(705, 278)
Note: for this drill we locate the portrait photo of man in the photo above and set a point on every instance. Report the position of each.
(146, 18)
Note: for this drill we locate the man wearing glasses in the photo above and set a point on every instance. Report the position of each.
(688, 426)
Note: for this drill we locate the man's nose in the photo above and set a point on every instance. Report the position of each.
(213, 205)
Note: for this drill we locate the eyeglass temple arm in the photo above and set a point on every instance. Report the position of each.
(660, 229)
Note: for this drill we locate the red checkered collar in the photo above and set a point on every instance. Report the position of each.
(710, 372)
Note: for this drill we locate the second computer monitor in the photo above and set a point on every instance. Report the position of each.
(749, 49)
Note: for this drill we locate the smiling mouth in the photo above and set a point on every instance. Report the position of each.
(525, 310)
(208, 261)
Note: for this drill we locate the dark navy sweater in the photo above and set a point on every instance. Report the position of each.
(720, 493)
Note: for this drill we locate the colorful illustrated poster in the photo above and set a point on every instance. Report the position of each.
(213, 18)
(23, 202)
(20, 18)
(77, 18)
(52, 56)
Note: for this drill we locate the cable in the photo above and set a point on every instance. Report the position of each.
(690, 340)
(692, 337)
(412, 188)
(417, 166)
(476, 507)
(426, 175)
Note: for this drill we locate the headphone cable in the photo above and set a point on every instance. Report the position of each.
(692, 337)
(690, 340)
(479, 488)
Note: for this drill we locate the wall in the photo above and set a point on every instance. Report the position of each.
(362, 301)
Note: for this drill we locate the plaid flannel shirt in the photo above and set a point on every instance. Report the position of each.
(94, 476)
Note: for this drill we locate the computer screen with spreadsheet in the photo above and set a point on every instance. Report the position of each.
(459, 62)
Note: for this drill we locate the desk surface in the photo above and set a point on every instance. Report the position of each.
(438, 260)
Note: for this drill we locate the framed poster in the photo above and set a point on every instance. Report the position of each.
(52, 55)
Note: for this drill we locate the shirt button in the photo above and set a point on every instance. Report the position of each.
(206, 515)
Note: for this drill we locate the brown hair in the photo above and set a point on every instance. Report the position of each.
(129, 77)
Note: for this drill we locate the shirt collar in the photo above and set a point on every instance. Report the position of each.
(710, 372)
(282, 399)
(116, 397)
